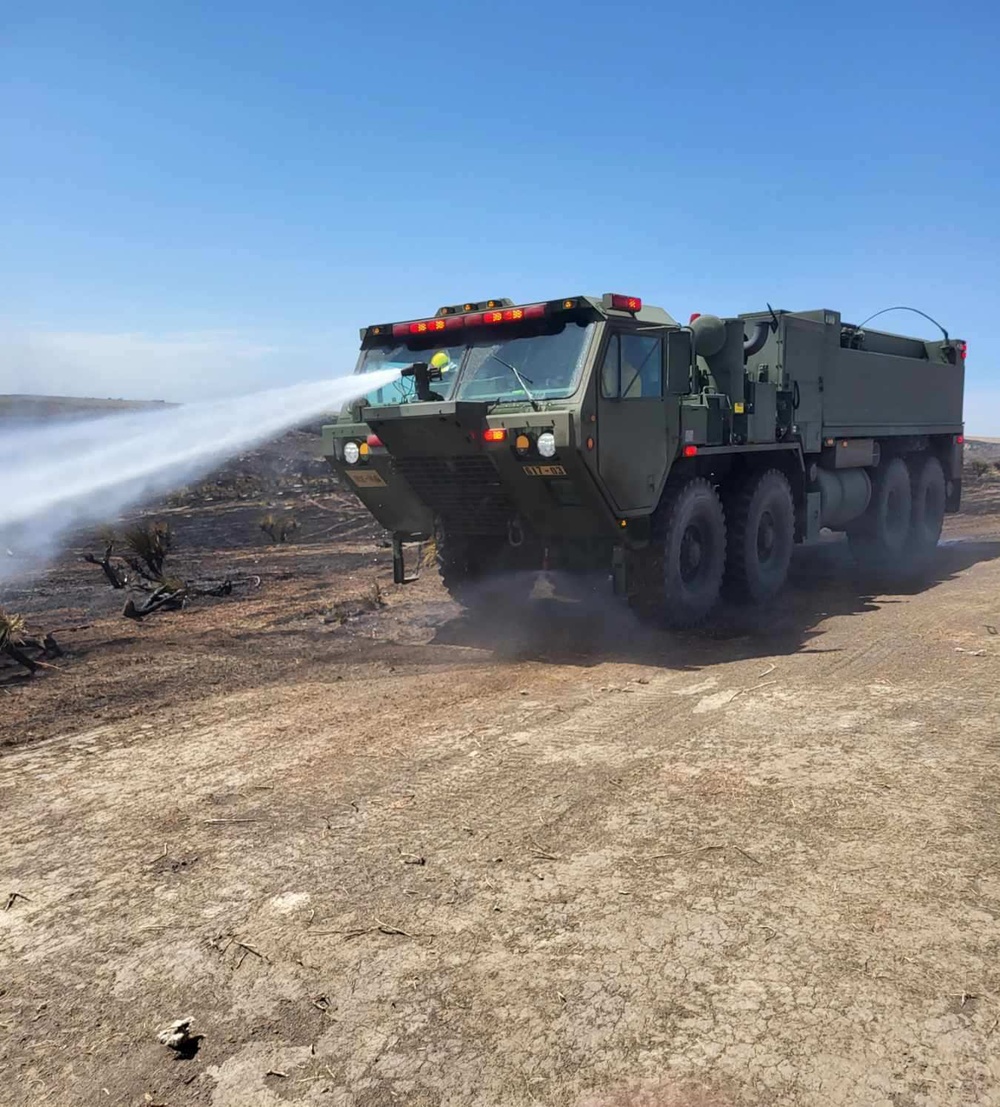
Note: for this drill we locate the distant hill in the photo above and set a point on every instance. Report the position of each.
(33, 409)
(986, 448)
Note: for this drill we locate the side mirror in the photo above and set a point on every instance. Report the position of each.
(679, 359)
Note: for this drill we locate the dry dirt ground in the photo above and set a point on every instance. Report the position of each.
(398, 854)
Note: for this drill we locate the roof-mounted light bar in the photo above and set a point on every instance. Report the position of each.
(482, 305)
(616, 302)
(489, 313)
(489, 318)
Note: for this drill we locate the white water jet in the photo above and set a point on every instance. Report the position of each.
(60, 476)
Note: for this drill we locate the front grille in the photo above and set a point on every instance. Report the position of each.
(464, 491)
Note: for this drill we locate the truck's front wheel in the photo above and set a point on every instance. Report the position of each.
(476, 570)
(678, 577)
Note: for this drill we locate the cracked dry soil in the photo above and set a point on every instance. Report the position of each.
(413, 856)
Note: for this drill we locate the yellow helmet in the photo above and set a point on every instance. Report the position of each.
(440, 360)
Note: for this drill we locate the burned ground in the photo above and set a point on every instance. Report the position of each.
(386, 851)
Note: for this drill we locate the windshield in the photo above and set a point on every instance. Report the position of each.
(506, 369)
(404, 390)
(539, 367)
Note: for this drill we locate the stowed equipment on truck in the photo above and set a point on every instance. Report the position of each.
(599, 434)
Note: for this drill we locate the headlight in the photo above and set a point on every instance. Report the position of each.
(351, 453)
(546, 444)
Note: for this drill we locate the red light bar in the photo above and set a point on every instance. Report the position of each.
(476, 319)
(625, 303)
(963, 350)
(425, 326)
(495, 434)
(514, 315)
(689, 451)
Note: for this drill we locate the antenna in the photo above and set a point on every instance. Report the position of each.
(916, 311)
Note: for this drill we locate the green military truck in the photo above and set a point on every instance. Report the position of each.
(589, 434)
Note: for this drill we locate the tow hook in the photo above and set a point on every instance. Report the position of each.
(515, 533)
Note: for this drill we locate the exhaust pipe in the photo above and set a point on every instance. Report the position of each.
(755, 342)
(710, 336)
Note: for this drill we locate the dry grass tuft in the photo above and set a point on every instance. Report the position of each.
(428, 554)
(277, 527)
(12, 628)
(150, 543)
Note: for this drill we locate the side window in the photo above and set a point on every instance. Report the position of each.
(633, 368)
(611, 371)
(641, 367)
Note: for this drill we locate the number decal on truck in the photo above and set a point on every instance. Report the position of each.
(544, 470)
(367, 478)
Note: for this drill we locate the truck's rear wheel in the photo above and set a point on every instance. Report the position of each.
(880, 539)
(678, 577)
(927, 485)
(760, 522)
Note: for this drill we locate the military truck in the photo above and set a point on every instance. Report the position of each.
(599, 434)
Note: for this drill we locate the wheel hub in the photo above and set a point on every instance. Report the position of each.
(692, 553)
(766, 536)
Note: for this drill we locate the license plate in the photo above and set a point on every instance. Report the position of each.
(367, 478)
(544, 470)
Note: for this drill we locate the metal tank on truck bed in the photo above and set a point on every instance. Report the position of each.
(600, 434)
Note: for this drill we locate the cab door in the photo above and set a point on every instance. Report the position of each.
(633, 436)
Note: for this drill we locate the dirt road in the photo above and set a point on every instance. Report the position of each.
(401, 855)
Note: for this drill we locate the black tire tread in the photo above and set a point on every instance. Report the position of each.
(648, 596)
(468, 565)
(737, 506)
(922, 548)
(862, 534)
(457, 564)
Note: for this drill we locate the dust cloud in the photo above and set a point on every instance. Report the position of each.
(60, 476)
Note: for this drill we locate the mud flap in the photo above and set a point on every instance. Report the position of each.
(812, 518)
(619, 571)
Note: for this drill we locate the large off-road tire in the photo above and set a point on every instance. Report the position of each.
(928, 496)
(880, 539)
(677, 579)
(478, 571)
(760, 526)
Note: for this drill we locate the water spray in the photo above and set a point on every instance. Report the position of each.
(57, 477)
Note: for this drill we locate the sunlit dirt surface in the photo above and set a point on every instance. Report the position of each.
(387, 851)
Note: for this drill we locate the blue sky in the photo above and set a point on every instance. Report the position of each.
(201, 199)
